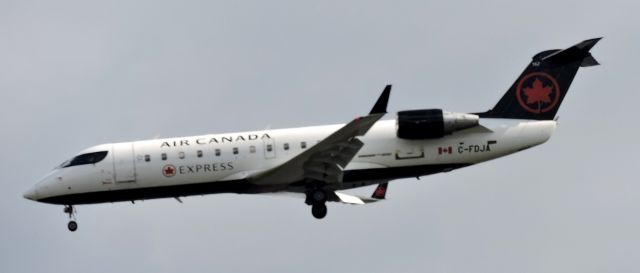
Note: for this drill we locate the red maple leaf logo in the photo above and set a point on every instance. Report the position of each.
(538, 93)
(169, 170)
(543, 92)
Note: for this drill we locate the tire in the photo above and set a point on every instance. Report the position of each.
(319, 210)
(72, 226)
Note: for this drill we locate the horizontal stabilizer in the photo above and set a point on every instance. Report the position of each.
(589, 61)
(578, 52)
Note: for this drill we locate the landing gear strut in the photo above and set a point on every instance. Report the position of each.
(72, 225)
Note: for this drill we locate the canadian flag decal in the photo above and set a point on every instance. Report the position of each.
(444, 150)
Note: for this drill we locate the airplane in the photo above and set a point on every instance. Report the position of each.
(317, 162)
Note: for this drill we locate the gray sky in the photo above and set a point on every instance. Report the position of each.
(74, 74)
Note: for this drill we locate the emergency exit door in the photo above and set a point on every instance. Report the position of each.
(124, 166)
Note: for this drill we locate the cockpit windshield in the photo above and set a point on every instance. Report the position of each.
(84, 159)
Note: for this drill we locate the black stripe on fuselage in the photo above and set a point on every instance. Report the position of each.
(351, 179)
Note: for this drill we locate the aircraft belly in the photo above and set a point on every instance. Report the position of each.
(143, 193)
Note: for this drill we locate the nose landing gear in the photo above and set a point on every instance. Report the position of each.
(72, 225)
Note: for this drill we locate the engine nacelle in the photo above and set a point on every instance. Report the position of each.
(432, 123)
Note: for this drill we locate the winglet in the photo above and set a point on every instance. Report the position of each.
(381, 191)
(381, 105)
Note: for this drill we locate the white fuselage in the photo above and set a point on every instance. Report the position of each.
(205, 164)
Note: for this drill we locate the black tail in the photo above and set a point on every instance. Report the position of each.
(540, 89)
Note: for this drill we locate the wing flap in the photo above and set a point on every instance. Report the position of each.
(341, 153)
(352, 199)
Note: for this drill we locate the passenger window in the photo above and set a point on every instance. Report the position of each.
(217, 152)
(199, 153)
(286, 146)
(252, 149)
(164, 156)
(147, 158)
(235, 150)
(181, 155)
(269, 148)
(303, 145)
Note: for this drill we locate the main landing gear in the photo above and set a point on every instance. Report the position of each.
(317, 199)
(72, 225)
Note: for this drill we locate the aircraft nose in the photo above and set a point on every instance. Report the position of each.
(31, 194)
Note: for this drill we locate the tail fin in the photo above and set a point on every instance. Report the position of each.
(540, 89)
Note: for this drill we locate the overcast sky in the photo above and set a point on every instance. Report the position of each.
(74, 74)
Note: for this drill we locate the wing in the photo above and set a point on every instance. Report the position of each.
(334, 196)
(325, 161)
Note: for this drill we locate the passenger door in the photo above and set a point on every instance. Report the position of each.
(124, 166)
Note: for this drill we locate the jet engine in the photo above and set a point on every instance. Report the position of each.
(432, 123)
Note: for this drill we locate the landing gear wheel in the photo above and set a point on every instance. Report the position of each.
(72, 225)
(319, 210)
